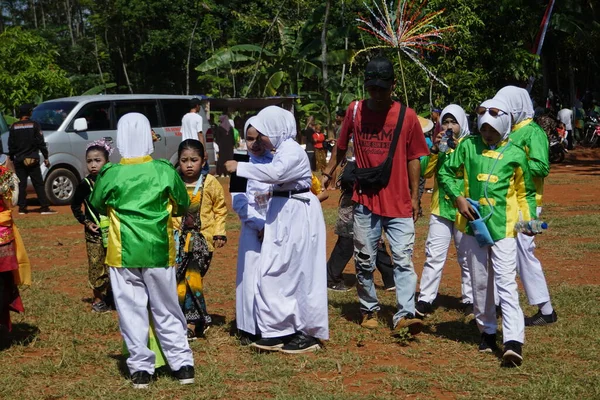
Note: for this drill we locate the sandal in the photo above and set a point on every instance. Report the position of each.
(191, 334)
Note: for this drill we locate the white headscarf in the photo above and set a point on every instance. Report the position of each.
(461, 117)
(265, 158)
(134, 136)
(276, 123)
(501, 123)
(521, 107)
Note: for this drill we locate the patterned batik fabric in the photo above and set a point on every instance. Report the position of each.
(345, 221)
(192, 258)
(98, 278)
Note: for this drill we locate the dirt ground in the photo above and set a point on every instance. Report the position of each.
(573, 184)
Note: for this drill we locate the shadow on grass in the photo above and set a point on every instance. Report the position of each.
(457, 331)
(22, 334)
(448, 302)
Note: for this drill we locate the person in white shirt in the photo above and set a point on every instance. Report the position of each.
(191, 123)
(566, 117)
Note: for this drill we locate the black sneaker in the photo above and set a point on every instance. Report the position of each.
(246, 339)
(23, 211)
(338, 287)
(100, 307)
(185, 375)
(468, 310)
(488, 343)
(47, 211)
(540, 319)
(141, 379)
(423, 309)
(269, 344)
(301, 343)
(513, 354)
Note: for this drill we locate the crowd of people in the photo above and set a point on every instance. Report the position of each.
(151, 229)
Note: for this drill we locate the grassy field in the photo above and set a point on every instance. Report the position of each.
(60, 350)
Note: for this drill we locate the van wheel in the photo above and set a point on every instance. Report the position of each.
(60, 186)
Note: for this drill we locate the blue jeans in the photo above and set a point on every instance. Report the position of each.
(400, 233)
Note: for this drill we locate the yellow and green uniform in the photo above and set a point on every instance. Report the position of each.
(510, 187)
(441, 204)
(532, 138)
(140, 196)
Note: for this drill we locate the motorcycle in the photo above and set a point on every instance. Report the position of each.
(558, 149)
(591, 131)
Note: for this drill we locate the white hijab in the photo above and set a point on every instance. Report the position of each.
(134, 136)
(276, 123)
(265, 158)
(501, 123)
(521, 107)
(461, 117)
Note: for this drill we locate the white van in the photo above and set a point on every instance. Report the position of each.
(69, 124)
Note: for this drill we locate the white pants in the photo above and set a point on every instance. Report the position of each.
(441, 231)
(530, 269)
(495, 264)
(132, 289)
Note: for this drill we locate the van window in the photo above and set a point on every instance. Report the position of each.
(97, 115)
(174, 110)
(51, 115)
(146, 107)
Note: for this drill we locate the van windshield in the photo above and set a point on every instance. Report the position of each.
(52, 114)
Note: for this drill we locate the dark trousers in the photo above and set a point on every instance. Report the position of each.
(343, 252)
(35, 173)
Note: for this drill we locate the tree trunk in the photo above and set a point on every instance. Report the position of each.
(43, 15)
(125, 69)
(98, 62)
(35, 24)
(324, 68)
(69, 21)
(187, 66)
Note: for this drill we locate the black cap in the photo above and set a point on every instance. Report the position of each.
(379, 72)
(26, 109)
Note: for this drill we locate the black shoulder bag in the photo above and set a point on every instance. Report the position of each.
(375, 178)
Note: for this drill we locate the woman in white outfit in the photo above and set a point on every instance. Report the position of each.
(291, 299)
(251, 207)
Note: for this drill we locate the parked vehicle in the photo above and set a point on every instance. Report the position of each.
(591, 131)
(69, 124)
(558, 149)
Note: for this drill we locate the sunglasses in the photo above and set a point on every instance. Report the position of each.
(493, 111)
(383, 75)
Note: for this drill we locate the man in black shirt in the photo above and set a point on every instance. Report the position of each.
(25, 142)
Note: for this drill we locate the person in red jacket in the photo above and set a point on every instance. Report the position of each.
(320, 153)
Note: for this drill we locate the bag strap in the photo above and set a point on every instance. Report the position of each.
(397, 132)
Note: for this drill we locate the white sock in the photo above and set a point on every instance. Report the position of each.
(546, 308)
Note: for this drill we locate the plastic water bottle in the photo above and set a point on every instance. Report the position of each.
(443, 146)
(534, 226)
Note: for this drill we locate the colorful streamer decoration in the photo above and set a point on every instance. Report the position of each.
(405, 28)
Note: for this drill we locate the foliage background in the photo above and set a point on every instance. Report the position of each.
(51, 48)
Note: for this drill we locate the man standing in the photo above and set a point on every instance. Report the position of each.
(25, 142)
(339, 118)
(191, 123)
(565, 116)
(393, 207)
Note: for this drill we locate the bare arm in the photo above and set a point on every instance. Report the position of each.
(337, 155)
(414, 172)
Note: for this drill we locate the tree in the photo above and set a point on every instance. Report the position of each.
(28, 70)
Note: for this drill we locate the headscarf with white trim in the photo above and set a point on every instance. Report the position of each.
(276, 123)
(519, 102)
(461, 118)
(134, 136)
(501, 123)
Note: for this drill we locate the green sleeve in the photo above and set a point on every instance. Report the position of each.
(525, 189)
(448, 170)
(179, 195)
(537, 148)
(102, 189)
